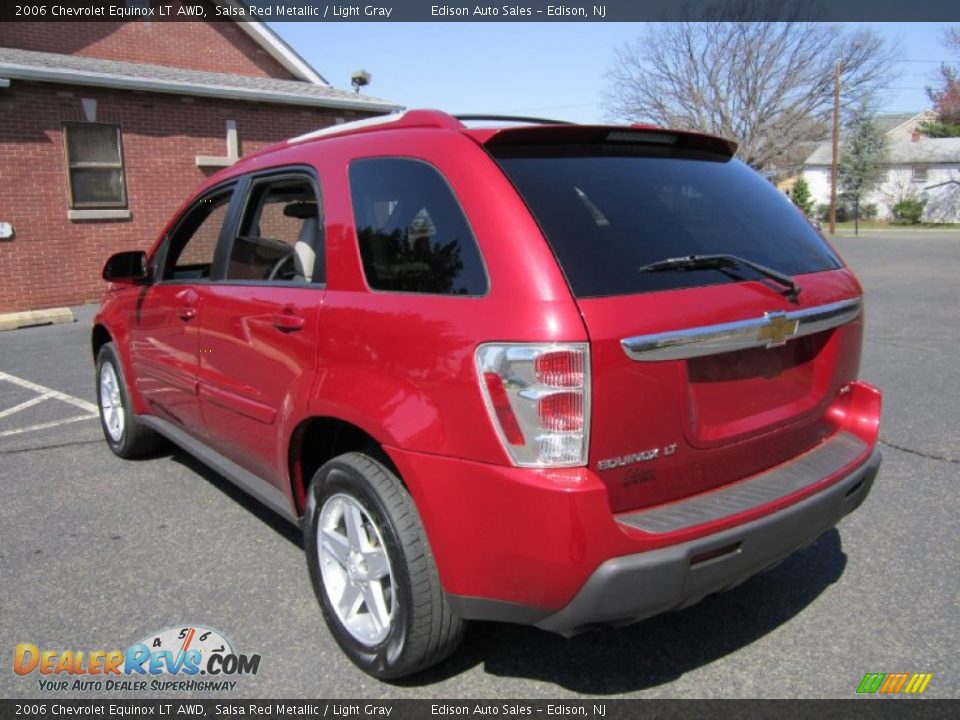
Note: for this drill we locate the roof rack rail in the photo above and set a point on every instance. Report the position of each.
(512, 118)
(407, 118)
(416, 119)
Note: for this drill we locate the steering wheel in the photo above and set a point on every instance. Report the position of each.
(297, 270)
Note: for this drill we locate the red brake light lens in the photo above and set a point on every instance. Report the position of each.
(560, 368)
(561, 412)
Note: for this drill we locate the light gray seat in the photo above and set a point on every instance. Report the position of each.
(306, 249)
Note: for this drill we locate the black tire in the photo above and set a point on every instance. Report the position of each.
(424, 629)
(135, 439)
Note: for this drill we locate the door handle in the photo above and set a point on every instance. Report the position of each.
(187, 298)
(288, 321)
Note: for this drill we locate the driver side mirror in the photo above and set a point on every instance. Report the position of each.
(129, 266)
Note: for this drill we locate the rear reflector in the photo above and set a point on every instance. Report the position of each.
(731, 549)
(501, 408)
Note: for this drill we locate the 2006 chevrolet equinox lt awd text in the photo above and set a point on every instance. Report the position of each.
(551, 374)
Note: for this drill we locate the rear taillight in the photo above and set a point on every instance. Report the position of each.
(538, 397)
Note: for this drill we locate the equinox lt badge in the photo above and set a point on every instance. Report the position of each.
(637, 457)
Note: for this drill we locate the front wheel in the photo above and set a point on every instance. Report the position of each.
(373, 570)
(126, 436)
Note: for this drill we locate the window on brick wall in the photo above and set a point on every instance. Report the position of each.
(95, 174)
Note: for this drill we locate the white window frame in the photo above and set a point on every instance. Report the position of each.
(72, 165)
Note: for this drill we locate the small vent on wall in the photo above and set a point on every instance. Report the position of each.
(74, 111)
(71, 112)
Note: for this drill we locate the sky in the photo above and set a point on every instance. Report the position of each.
(552, 70)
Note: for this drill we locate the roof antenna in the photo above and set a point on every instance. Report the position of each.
(359, 79)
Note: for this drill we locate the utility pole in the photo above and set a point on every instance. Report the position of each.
(834, 168)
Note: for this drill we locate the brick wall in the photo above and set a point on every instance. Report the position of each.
(53, 261)
(214, 47)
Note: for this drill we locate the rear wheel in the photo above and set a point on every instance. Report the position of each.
(126, 436)
(373, 570)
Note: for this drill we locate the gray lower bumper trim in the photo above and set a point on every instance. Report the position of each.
(634, 587)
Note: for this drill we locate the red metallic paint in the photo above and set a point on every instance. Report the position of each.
(401, 368)
(493, 528)
(723, 430)
(256, 378)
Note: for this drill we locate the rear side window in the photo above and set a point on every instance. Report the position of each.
(412, 233)
(607, 215)
(281, 234)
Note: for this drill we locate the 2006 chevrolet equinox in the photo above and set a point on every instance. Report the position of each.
(540, 373)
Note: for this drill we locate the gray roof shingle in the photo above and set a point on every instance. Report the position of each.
(904, 152)
(891, 121)
(73, 69)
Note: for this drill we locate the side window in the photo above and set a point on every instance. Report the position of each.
(193, 242)
(281, 234)
(95, 165)
(412, 233)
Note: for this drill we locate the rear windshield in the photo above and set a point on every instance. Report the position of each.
(606, 216)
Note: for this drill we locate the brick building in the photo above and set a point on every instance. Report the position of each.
(105, 127)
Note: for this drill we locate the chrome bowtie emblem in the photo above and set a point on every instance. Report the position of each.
(778, 329)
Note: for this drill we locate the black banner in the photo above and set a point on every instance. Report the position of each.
(483, 11)
(867, 709)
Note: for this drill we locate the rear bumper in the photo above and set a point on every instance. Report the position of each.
(635, 587)
(542, 547)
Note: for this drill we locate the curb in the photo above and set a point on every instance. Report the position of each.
(905, 228)
(50, 316)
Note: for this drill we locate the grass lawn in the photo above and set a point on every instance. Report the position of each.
(878, 225)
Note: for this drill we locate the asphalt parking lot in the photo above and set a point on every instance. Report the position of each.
(96, 552)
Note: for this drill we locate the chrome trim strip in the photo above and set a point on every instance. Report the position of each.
(771, 330)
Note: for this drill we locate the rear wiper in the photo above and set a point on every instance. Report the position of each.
(706, 262)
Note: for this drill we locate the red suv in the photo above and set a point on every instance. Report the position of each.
(550, 374)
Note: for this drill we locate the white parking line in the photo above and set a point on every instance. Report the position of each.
(44, 393)
(45, 425)
(24, 405)
(49, 392)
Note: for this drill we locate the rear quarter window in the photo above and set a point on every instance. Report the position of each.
(412, 233)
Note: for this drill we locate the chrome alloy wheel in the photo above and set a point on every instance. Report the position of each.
(357, 576)
(111, 402)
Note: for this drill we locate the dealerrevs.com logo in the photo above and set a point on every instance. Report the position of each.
(189, 658)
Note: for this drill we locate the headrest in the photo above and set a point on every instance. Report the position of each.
(304, 210)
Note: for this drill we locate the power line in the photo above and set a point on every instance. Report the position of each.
(557, 107)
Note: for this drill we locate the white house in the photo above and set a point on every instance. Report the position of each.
(917, 166)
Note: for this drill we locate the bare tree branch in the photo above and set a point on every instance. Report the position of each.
(766, 84)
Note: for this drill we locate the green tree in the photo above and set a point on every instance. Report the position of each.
(863, 152)
(908, 211)
(801, 196)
